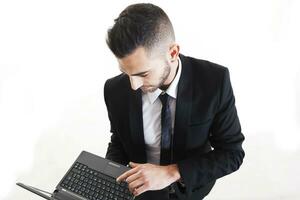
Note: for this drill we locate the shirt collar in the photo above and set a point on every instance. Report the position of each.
(172, 89)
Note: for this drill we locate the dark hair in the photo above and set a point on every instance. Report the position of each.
(138, 25)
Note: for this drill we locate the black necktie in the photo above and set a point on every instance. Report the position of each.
(166, 130)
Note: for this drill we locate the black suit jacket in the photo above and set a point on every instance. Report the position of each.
(207, 132)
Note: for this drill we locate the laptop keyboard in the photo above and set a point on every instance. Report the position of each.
(93, 185)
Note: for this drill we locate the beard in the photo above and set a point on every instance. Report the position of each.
(164, 76)
(148, 89)
(162, 79)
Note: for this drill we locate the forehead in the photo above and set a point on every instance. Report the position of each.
(137, 60)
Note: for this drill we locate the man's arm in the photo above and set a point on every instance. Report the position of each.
(115, 150)
(226, 139)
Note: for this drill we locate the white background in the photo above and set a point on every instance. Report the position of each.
(54, 61)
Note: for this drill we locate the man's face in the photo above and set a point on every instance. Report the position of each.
(144, 71)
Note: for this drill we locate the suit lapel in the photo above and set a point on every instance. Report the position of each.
(183, 109)
(136, 125)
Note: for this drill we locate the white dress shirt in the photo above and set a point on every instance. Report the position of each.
(152, 117)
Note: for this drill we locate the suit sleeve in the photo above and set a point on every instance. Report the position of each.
(226, 139)
(115, 150)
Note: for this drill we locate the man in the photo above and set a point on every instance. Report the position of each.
(173, 118)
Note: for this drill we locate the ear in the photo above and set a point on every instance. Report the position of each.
(174, 52)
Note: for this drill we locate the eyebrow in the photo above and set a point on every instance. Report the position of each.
(136, 74)
(139, 74)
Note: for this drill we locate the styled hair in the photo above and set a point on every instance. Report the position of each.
(139, 25)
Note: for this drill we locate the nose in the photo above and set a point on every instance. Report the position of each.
(136, 82)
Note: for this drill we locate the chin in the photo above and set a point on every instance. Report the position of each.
(148, 89)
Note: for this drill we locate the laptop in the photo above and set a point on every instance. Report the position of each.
(90, 177)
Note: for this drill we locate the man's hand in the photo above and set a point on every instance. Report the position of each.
(144, 177)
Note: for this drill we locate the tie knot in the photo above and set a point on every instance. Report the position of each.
(164, 98)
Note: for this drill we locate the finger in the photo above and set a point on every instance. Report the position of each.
(133, 177)
(140, 190)
(135, 184)
(133, 165)
(126, 174)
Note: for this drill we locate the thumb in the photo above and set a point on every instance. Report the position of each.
(133, 165)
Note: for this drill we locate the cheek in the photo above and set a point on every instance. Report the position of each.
(151, 80)
(147, 81)
(155, 76)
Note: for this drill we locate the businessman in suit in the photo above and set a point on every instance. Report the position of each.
(173, 117)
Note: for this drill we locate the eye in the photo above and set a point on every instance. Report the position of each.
(143, 75)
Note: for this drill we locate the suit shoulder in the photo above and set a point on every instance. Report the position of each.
(204, 71)
(117, 83)
(116, 87)
(207, 66)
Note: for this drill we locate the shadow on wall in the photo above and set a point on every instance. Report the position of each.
(297, 87)
(57, 149)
